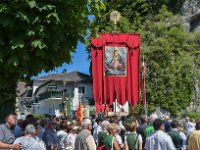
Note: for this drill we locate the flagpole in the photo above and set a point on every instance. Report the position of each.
(115, 110)
(144, 86)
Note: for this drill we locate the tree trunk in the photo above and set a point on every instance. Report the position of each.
(7, 100)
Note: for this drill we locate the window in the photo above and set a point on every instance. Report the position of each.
(81, 90)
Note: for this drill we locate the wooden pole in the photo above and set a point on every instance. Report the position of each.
(115, 110)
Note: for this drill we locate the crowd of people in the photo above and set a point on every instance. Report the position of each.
(125, 133)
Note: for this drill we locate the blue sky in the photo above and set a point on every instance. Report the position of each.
(79, 62)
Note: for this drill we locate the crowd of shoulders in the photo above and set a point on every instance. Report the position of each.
(125, 133)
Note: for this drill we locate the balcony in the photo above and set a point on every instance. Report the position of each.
(49, 94)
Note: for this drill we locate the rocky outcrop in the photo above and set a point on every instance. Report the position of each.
(191, 15)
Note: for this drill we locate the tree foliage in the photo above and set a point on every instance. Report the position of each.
(133, 13)
(173, 6)
(39, 35)
(169, 50)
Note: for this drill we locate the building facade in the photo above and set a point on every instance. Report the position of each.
(59, 93)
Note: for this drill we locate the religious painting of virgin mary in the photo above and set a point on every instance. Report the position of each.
(115, 61)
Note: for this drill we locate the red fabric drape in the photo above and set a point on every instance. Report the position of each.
(107, 88)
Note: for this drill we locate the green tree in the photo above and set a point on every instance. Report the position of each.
(173, 6)
(167, 48)
(38, 35)
(134, 13)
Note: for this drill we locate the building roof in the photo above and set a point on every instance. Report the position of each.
(66, 77)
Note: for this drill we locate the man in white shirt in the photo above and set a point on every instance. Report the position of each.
(97, 130)
(159, 140)
(189, 126)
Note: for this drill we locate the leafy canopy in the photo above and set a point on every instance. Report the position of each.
(39, 35)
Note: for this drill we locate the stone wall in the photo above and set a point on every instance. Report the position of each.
(191, 15)
(195, 22)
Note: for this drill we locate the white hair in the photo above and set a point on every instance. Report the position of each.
(104, 125)
(85, 122)
(30, 129)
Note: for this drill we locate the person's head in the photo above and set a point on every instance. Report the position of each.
(98, 121)
(52, 124)
(29, 130)
(158, 124)
(198, 125)
(187, 119)
(11, 119)
(29, 116)
(30, 119)
(174, 124)
(143, 118)
(86, 124)
(115, 52)
(133, 126)
(64, 119)
(63, 125)
(104, 125)
(20, 123)
(44, 123)
(111, 128)
(70, 129)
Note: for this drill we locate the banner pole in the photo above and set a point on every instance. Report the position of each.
(144, 90)
(115, 110)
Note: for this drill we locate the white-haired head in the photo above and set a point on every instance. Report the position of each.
(104, 125)
(30, 129)
(86, 124)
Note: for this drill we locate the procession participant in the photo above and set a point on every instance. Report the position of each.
(6, 135)
(158, 139)
(85, 140)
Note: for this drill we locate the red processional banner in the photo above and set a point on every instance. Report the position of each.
(115, 68)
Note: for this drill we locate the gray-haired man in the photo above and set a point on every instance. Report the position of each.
(84, 140)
